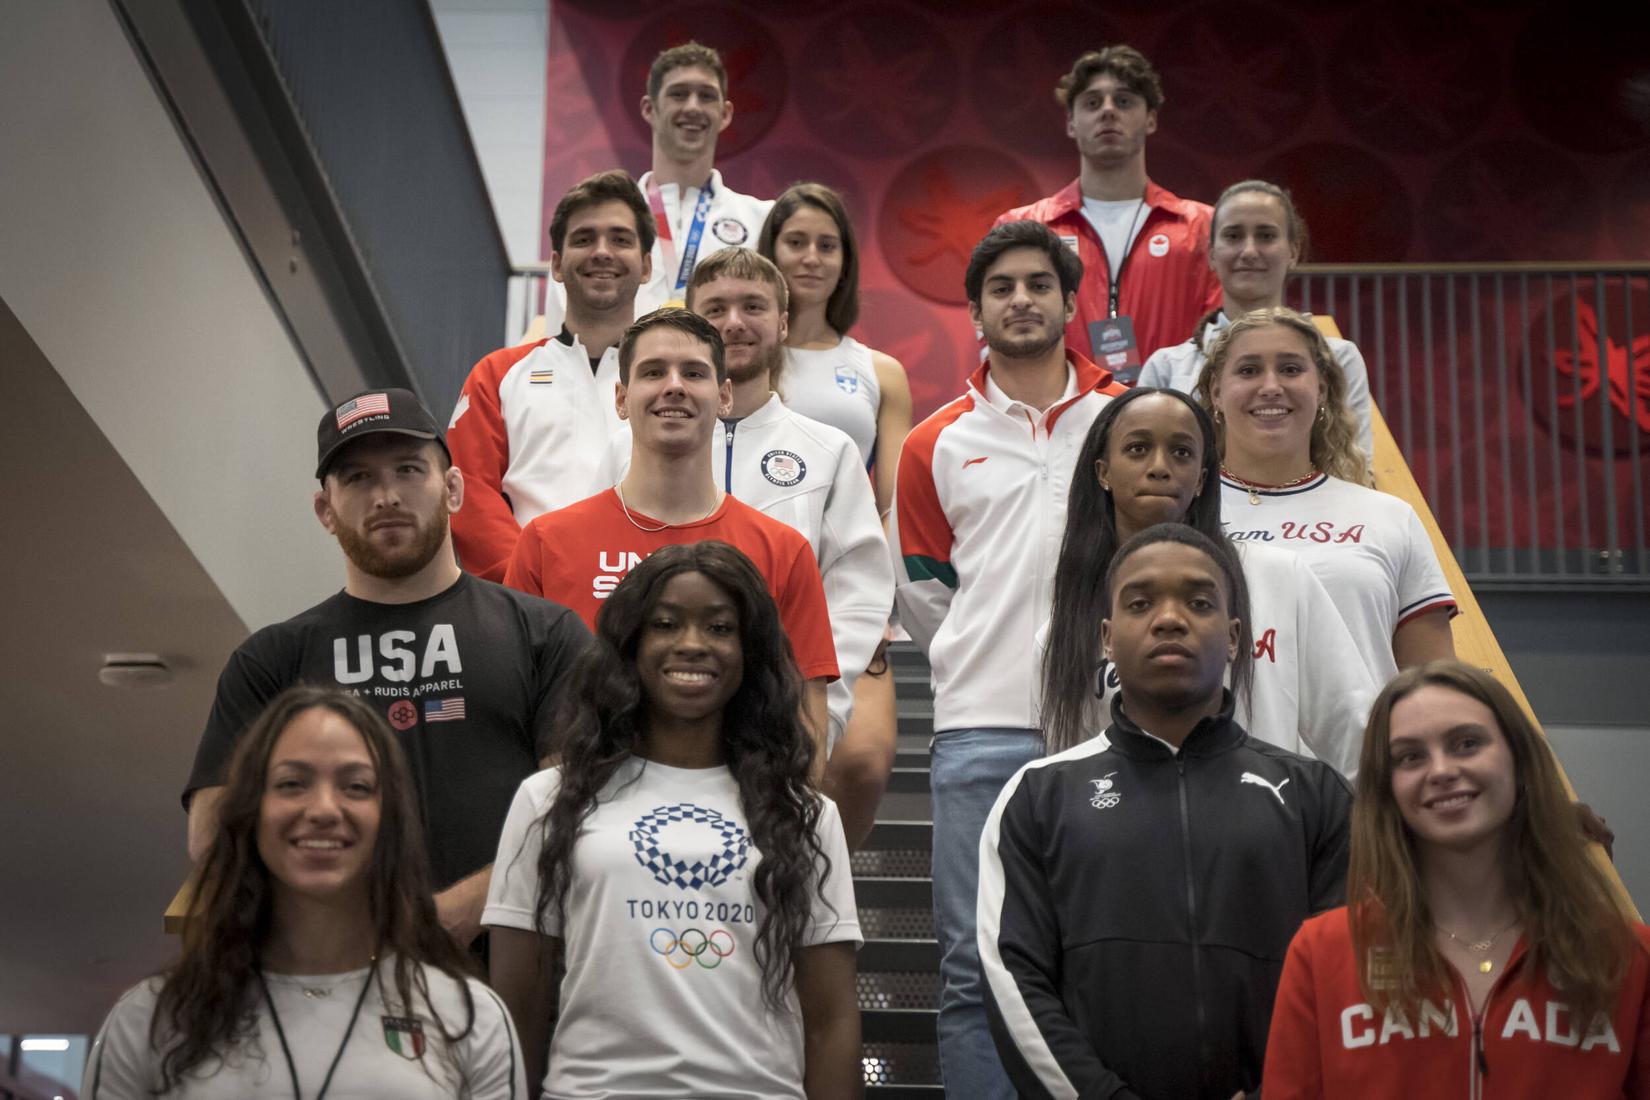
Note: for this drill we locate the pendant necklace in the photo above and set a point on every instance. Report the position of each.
(280, 1032)
(1481, 947)
(1254, 487)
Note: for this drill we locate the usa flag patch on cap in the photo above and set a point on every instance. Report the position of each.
(368, 404)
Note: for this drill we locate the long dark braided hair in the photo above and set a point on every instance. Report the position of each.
(765, 745)
(1091, 541)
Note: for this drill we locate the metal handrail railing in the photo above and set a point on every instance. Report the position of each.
(1520, 395)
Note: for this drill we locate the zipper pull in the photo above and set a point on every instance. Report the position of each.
(1478, 1049)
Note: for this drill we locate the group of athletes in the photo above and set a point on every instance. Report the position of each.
(604, 704)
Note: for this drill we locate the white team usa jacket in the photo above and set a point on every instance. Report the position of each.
(807, 474)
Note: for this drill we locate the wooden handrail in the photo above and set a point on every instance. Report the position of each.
(1474, 640)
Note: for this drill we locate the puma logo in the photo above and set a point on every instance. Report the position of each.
(972, 461)
(1277, 791)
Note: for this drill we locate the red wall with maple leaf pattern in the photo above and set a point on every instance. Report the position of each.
(1426, 133)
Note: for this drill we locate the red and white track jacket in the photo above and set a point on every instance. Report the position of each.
(528, 432)
(979, 511)
(1167, 284)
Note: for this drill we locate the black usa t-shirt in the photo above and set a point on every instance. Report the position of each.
(469, 679)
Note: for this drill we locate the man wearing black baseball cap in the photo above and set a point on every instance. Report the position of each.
(466, 671)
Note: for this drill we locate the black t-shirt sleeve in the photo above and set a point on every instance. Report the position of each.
(563, 641)
(248, 682)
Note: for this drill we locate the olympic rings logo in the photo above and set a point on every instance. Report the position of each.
(692, 946)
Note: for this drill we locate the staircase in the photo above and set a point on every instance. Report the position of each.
(899, 982)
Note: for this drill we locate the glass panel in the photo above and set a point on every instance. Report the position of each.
(52, 1061)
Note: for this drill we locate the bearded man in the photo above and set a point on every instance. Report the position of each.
(467, 672)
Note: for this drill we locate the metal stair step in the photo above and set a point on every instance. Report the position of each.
(901, 834)
(897, 1025)
(893, 892)
(908, 780)
(891, 956)
(914, 756)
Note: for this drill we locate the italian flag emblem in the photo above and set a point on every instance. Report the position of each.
(405, 1036)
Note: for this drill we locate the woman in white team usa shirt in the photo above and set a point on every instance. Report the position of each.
(835, 379)
(1255, 240)
(313, 963)
(1292, 476)
(675, 866)
(1150, 457)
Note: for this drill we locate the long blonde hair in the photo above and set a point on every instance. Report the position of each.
(1334, 446)
(1576, 930)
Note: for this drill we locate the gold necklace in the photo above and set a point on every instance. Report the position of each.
(1254, 487)
(1480, 947)
(619, 492)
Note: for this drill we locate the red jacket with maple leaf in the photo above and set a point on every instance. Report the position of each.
(1166, 282)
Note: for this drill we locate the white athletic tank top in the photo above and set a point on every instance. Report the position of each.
(837, 386)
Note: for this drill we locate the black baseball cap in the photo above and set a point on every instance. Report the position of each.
(370, 412)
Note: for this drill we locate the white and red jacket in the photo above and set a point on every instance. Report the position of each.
(528, 433)
(979, 511)
(1327, 1041)
(807, 475)
(1166, 282)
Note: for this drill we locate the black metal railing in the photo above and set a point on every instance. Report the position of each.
(1520, 396)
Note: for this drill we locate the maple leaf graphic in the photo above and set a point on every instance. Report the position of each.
(952, 224)
(1246, 89)
(863, 85)
(1627, 376)
(1393, 75)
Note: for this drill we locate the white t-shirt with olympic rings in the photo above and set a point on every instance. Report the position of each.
(663, 993)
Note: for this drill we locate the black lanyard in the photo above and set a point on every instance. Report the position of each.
(1115, 288)
(291, 1067)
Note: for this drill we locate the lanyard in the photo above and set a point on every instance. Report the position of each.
(667, 241)
(291, 1067)
(1115, 287)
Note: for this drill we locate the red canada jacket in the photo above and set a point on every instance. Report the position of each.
(1166, 285)
(1326, 1040)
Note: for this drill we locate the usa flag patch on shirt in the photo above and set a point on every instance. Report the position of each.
(444, 710)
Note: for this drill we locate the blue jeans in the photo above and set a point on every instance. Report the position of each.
(968, 769)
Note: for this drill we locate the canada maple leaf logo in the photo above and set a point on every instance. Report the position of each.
(1624, 374)
(949, 223)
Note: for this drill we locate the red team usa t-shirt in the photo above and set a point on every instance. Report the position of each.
(577, 555)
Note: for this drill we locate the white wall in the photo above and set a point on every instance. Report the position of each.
(496, 50)
(117, 261)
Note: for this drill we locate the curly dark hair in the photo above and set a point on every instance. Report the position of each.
(1127, 65)
(766, 747)
(1086, 552)
(208, 1003)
